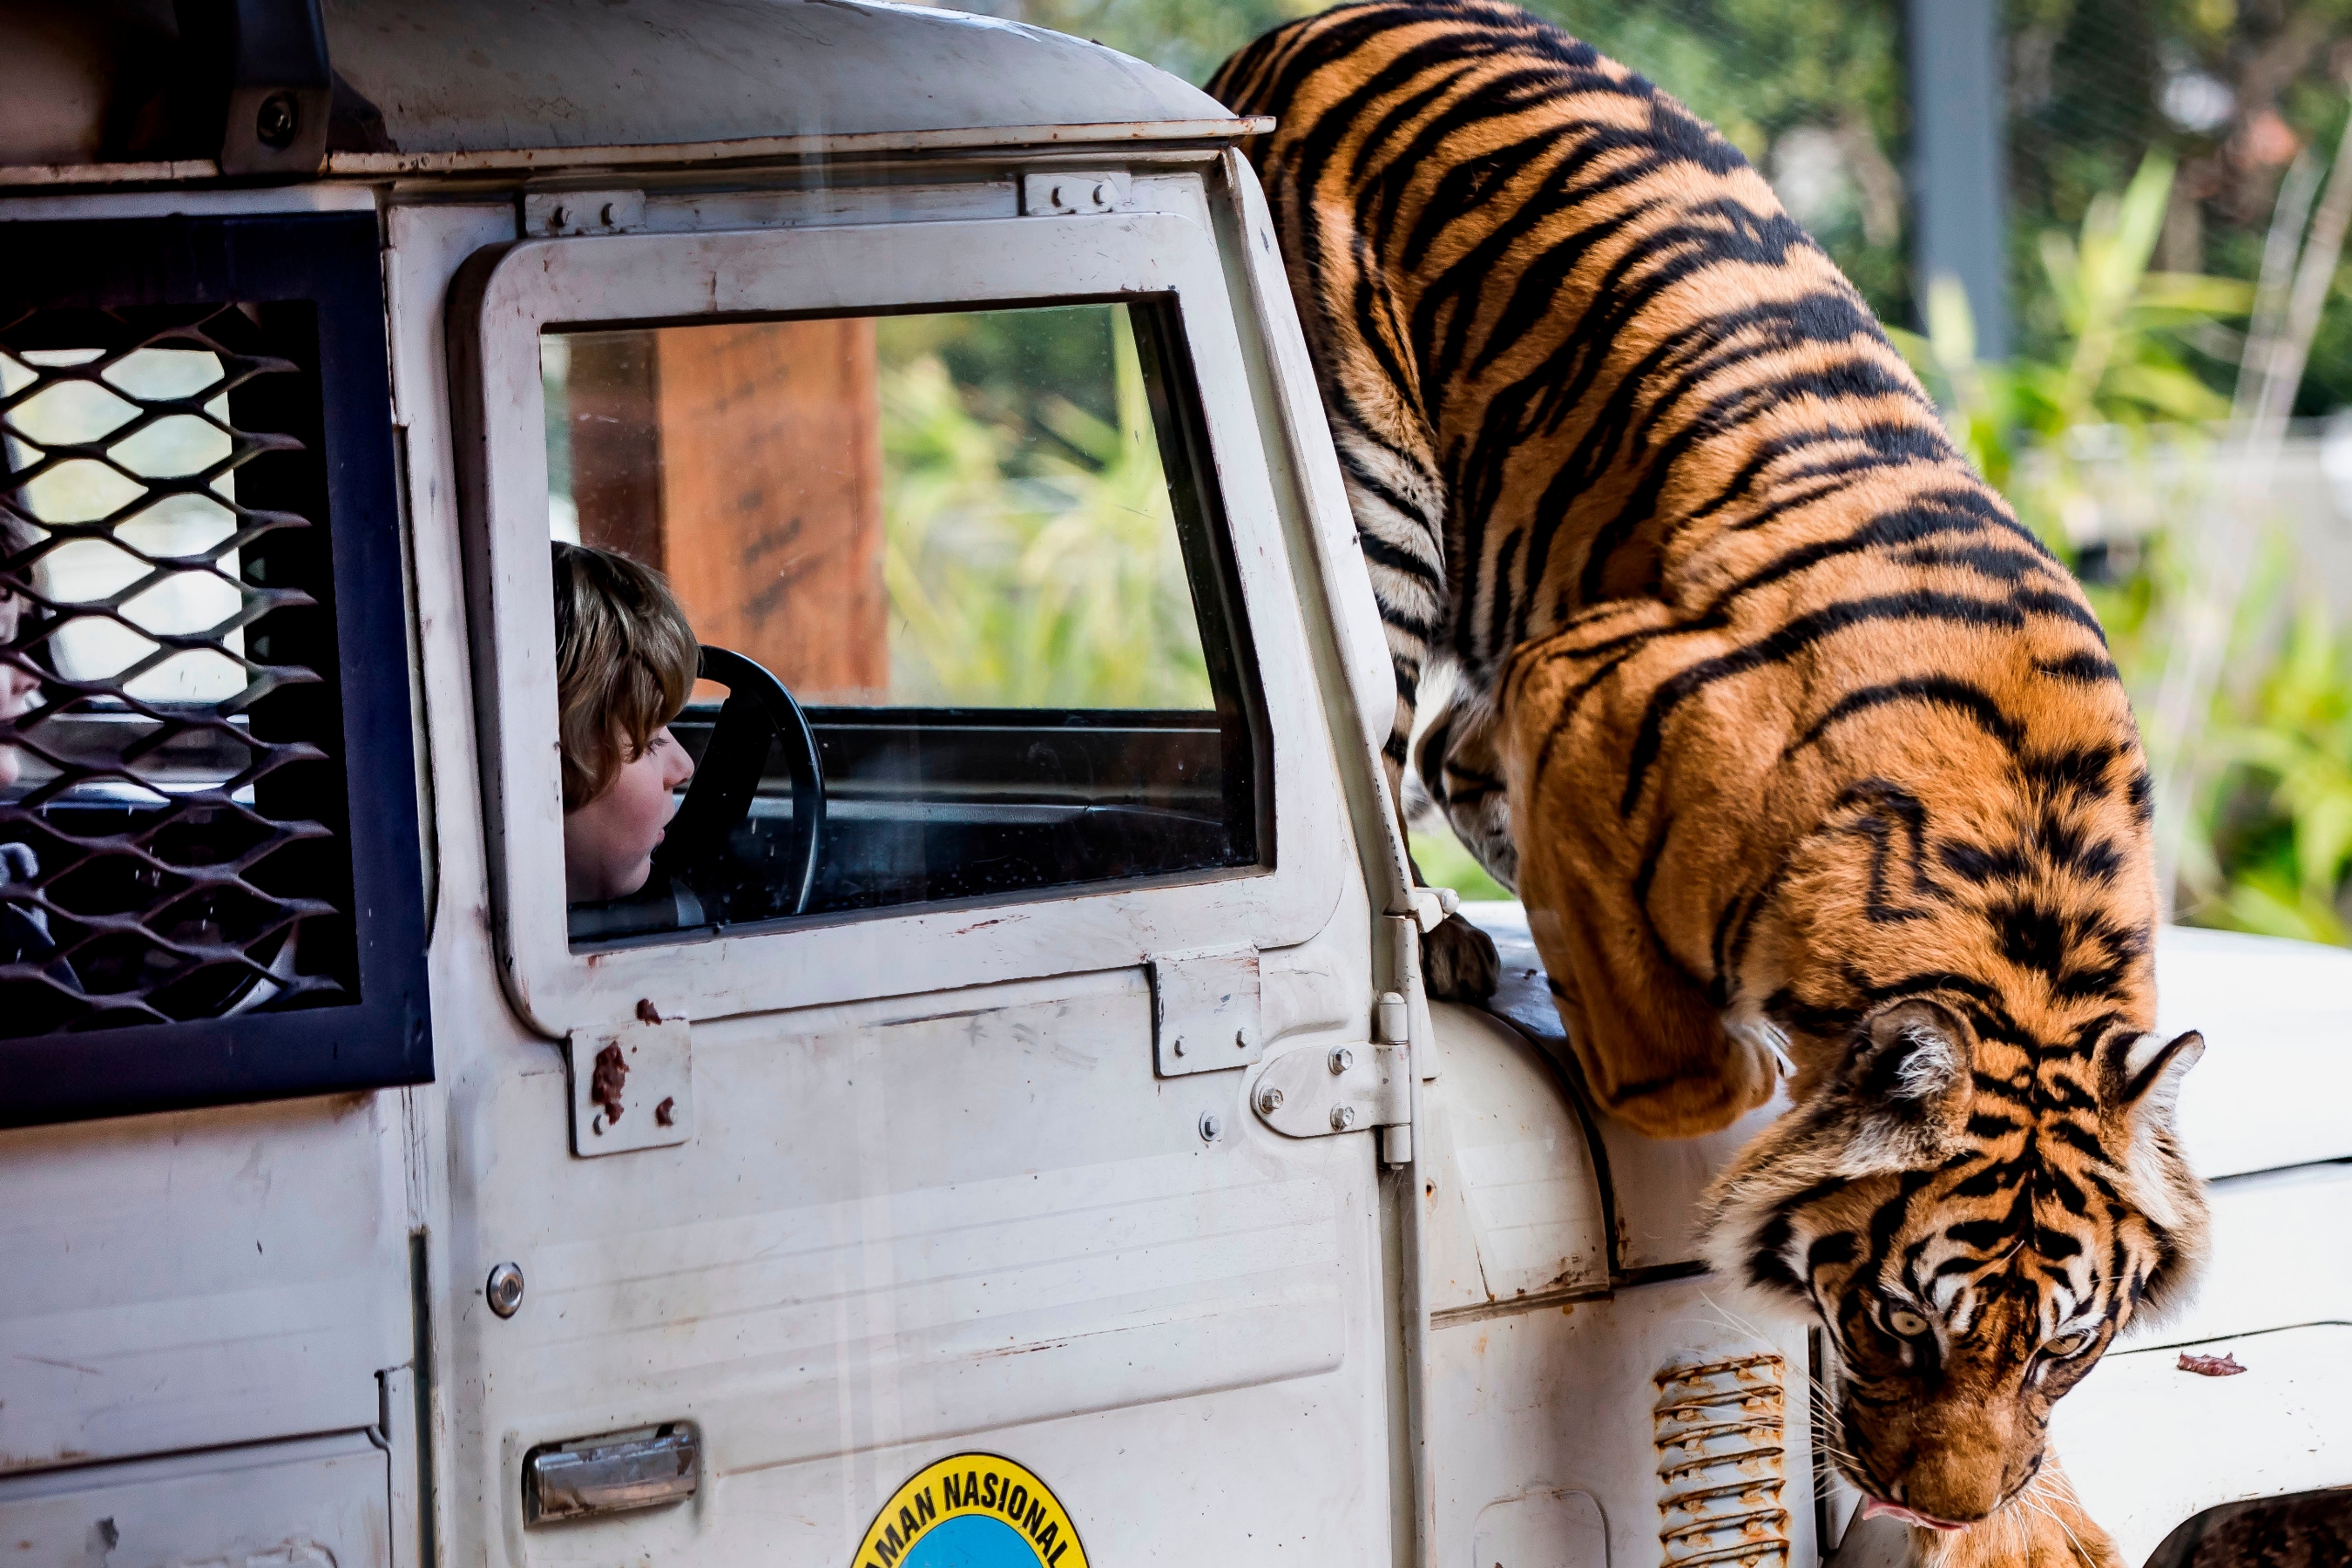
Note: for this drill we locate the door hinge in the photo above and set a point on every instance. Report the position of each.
(1204, 1011)
(632, 1084)
(1340, 1089)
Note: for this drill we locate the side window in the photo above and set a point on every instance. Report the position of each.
(978, 547)
(208, 853)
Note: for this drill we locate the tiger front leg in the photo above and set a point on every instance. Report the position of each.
(1622, 918)
(1458, 961)
(1458, 765)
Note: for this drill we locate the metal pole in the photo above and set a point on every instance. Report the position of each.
(1958, 158)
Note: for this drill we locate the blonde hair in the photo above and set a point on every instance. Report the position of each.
(626, 661)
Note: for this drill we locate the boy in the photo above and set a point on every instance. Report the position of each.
(626, 661)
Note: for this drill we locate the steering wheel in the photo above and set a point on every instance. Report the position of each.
(758, 712)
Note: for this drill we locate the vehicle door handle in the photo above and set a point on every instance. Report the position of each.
(589, 1476)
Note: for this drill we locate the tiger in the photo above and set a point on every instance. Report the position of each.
(1808, 760)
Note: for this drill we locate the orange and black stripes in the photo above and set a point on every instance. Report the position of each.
(1793, 742)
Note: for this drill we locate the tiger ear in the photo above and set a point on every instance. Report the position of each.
(1908, 1083)
(2144, 1073)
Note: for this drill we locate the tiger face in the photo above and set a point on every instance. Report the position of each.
(1968, 1250)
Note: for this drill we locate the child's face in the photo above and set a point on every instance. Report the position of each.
(608, 844)
(18, 686)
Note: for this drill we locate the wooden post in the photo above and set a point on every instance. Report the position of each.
(771, 498)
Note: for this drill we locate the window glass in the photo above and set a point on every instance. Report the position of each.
(978, 547)
(172, 842)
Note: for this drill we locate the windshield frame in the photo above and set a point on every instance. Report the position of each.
(507, 297)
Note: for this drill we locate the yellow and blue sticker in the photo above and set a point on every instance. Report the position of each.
(972, 1510)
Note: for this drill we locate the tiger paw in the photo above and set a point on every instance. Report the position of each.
(1458, 962)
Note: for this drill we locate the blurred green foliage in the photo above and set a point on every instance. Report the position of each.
(2269, 845)
(1445, 863)
(1030, 547)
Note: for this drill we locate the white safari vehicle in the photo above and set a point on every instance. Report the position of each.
(1010, 1129)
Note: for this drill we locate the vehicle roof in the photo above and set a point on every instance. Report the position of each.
(491, 83)
(458, 74)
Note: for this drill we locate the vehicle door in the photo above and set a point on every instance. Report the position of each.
(899, 1196)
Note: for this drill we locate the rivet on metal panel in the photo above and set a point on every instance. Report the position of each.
(1721, 1432)
(1064, 194)
(504, 1289)
(1212, 1127)
(1342, 1118)
(568, 213)
(1269, 1100)
(1343, 1059)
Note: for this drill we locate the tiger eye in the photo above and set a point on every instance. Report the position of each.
(2067, 1344)
(1906, 1322)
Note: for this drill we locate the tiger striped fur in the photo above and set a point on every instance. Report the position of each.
(1795, 744)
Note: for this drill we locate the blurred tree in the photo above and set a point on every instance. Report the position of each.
(2231, 90)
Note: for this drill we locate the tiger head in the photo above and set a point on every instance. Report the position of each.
(1972, 1226)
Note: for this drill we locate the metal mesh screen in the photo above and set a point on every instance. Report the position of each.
(173, 832)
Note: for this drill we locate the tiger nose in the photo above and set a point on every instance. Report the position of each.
(1962, 1473)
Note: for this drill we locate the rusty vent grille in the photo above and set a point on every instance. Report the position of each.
(174, 831)
(1721, 1437)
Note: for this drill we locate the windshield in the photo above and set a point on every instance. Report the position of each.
(974, 545)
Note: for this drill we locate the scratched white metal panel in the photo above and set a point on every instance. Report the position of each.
(199, 1279)
(2278, 1259)
(1555, 1399)
(1302, 452)
(319, 1502)
(2148, 1444)
(893, 1236)
(2273, 1012)
(477, 1037)
(1516, 1210)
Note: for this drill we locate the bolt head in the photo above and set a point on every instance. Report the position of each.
(1212, 1127)
(1342, 1118)
(504, 1289)
(1269, 1100)
(280, 118)
(1343, 1059)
